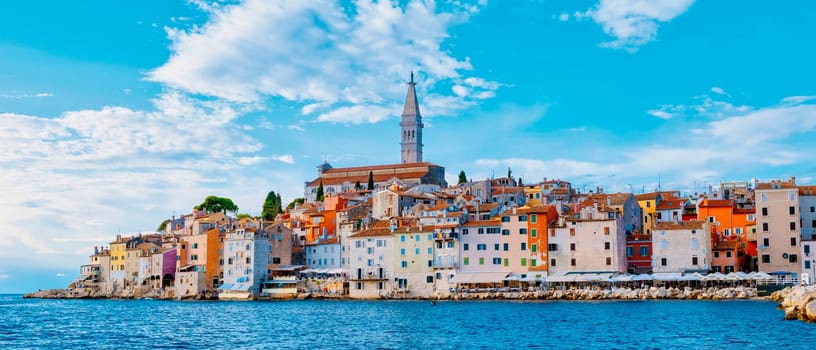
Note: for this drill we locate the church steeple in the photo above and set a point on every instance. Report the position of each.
(411, 126)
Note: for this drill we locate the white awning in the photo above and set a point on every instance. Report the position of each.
(479, 277)
(667, 276)
(562, 278)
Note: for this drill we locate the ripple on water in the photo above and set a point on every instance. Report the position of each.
(28, 323)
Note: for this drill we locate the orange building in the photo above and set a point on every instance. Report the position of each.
(539, 220)
(731, 223)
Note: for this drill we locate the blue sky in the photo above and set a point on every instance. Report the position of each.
(114, 117)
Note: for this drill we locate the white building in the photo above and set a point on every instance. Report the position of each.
(683, 246)
(324, 255)
(246, 256)
(807, 213)
(593, 241)
(371, 262)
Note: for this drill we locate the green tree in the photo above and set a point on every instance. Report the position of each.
(370, 181)
(163, 225)
(271, 206)
(295, 202)
(320, 192)
(215, 204)
(243, 216)
(462, 177)
(358, 186)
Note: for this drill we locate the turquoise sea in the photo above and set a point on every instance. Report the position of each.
(316, 324)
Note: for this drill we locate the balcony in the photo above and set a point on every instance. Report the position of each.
(445, 235)
(369, 276)
(447, 262)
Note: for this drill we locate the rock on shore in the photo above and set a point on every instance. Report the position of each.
(618, 294)
(799, 302)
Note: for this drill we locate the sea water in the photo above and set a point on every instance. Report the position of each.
(315, 324)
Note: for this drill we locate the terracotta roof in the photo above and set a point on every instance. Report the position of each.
(559, 190)
(372, 232)
(615, 198)
(726, 245)
(538, 209)
(807, 190)
(715, 203)
(680, 225)
(502, 190)
(781, 185)
(363, 179)
(653, 195)
(482, 223)
(673, 203)
(378, 167)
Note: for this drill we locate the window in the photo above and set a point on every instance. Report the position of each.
(430, 250)
(402, 250)
(532, 262)
(663, 262)
(572, 231)
(807, 249)
(608, 261)
(533, 233)
(764, 196)
(764, 210)
(792, 226)
(793, 241)
(807, 264)
(606, 230)
(466, 261)
(481, 246)
(522, 217)
(738, 230)
(464, 231)
(766, 259)
(429, 279)
(552, 247)
(791, 196)
(607, 246)
(481, 230)
(716, 254)
(523, 246)
(195, 245)
(506, 262)
(552, 262)
(793, 258)
(523, 231)
(496, 246)
(465, 246)
(532, 217)
(572, 247)
(497, 261)
(404, 264)
(695, 244)
(505, 232)
(370, 262)
(276, 260)
(506, 247)
(812, 209)
(505, 219)
(493, 230)
(694, 260)
(728, 254)
(764, 227)
(572, 262)
(417, 238)
(416, 250)
(766, 242)
(481, 261)
(402, 238)
(792, 210)
(630, 251)
(523, 261)
(534, 248)
(552, 232)
(644, 250)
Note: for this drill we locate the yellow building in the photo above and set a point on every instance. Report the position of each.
(118, 254)
(648, 204)
(533, 194)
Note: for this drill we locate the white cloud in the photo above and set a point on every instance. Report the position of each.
(563, 17)
(718, 90)
(4, 276)
(356, 114)
(60, 275)
(633, 23)
(19, 96)
(285, 158)
(662, 114)
(317, 53)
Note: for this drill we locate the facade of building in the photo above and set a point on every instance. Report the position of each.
(413, 262)
(593, 241)
(778, 228)
(371, 262)
(681, 247)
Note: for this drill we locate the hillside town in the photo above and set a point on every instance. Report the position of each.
(401, 231)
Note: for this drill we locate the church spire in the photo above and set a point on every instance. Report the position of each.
(411, 126)
(411, 104)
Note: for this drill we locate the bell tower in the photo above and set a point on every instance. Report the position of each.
(411, 126)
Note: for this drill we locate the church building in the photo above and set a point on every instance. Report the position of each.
(411, 171)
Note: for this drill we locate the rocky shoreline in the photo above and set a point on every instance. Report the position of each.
(798, 302)
(686, 293)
